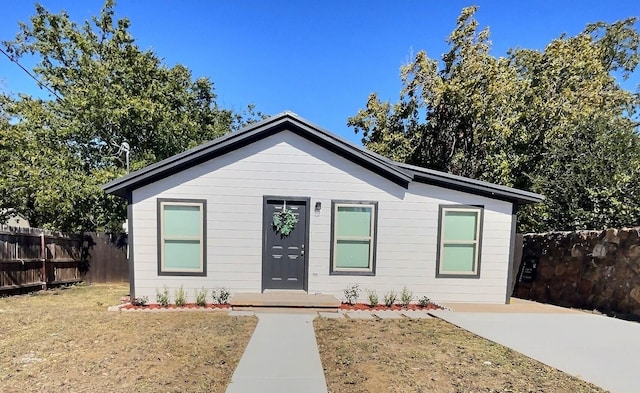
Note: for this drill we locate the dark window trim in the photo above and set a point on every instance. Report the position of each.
(372, 271)
(441, 209)
(203, 203)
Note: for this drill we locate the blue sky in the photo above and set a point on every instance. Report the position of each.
(320, 59)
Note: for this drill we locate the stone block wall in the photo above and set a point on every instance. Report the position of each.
(588, 269)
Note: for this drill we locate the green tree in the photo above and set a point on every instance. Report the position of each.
(509, 120)
(589, 179)
(454, 118)
(106, 91)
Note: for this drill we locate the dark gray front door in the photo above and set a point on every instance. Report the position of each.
(284, 259)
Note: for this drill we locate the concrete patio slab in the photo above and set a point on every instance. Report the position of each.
(282, 356)
(594, 348)
(385, 314)
(283, 310)
(272, 298)
(515, 306)
(360, 315)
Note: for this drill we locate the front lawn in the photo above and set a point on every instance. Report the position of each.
(66, 340)
(428, 356)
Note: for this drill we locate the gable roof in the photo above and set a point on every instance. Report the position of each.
(399, 173)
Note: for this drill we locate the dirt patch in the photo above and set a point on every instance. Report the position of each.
(66, 340)
(428, 356)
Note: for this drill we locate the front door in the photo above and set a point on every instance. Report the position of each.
(284, 254)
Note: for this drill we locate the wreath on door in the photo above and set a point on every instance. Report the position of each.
(284, 221)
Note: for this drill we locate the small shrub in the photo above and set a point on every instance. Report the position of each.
(373, 298)
(201, 297)
(352, 293)
(180, 297)
(214, 295)
(163, 297)
(221, 296)
(390, 298)
(140, 301)
(406, 297)
(424, 301)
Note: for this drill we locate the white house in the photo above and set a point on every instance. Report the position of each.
(13, 219)
(205, 218)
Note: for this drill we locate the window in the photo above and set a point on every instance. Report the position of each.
(459, 241)
(181, 237)
(353, 237)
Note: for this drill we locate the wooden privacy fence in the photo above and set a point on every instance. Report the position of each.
(107, 259)
(32, 258)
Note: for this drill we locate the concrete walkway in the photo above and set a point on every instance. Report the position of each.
(282, 356)
(594, 348)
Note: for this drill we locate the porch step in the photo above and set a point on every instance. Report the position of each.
(284, 299)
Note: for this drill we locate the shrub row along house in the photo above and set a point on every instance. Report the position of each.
(284, 204)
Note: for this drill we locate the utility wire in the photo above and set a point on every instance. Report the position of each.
(40, 84)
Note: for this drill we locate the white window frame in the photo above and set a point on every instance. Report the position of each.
(372, 238)
(479, 210)
(202, 268)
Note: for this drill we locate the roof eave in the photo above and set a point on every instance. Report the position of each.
(513, 195)
(259, 130)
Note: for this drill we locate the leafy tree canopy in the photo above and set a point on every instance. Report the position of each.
(57, 152)
(554, 121)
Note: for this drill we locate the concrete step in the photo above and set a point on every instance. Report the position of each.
(284, 299)
(286, 310)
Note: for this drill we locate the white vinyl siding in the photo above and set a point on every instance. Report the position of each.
(459, 248)
(353, 237)
(181, 236)
(235, 183)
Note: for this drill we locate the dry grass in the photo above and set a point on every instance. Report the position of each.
(428, 356)
(65, 340)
